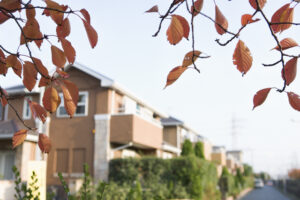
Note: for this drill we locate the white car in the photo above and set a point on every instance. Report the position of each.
(258, 183)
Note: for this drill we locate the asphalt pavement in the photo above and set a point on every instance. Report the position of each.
(265, 193)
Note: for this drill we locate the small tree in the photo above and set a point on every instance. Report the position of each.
(187, 148)
(199, 150)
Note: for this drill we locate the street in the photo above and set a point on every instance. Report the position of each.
(265, 193)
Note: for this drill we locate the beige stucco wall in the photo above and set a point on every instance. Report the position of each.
(147, 133)
(219, 158)
(207, 149)
(230, 164)
(132, 128)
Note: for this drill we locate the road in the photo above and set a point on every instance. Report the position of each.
(265, 193)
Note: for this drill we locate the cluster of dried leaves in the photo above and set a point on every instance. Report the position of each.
(281, 20)
(30, 69)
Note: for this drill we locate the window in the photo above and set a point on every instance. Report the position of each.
(121, 108)
(138, 108)
(62, 160)
(26, 108)
(78, 160)
(7, 161)
(82, 106)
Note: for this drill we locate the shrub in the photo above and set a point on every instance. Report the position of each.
(187, 148)
(199, 150)
(182, 177)
(22, 191)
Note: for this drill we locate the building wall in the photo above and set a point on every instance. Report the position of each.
(207, 149)
(219, 158)
(147, 133)
(133, 128)
(73, 139)
(28, 154)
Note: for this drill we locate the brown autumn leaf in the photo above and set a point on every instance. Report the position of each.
(177, 1)
(58, 57)
(44, 82)
(220, 21)
(91, 33)
(69, 50)
(290, 71)
(30, 12)
(286, 44)
(62, 73)
(51, 99)
(40, 41)
(185, 26)
(260, 97)
(12, 61)
(31, 30)
(175, 30)
(247, 19)
(3, 17)
(260, 2)
(86, 15)
(41, 68)
(3, 98)
(153, 9)
(294, 100)
(188, 58)
(44, 143)
(71, 94)
(37, 110)
(56, 16)
(10, 4)
(64, 29)
(287, 16)
(242, 57)
(174, 74)
(3, 68)
(29, 75)
(19, 137)
(281, 15)
(196, 9)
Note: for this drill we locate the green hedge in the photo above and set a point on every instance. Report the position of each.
(182, 177)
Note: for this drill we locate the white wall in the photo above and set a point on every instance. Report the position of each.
(7, 189)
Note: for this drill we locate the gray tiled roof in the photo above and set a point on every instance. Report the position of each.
(171, 120)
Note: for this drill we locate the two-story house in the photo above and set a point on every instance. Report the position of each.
(109, 122)
(176, 131)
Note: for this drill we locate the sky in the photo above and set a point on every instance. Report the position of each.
(208, 102)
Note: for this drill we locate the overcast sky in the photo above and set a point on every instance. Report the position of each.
(208, 101)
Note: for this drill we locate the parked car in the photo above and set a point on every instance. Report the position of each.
(258, 183)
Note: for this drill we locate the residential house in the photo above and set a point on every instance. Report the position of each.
(218, 156)
(24, 153)
(176, 131)
(237, 155)
(110, 122)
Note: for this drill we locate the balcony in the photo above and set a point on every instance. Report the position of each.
(143, 133)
